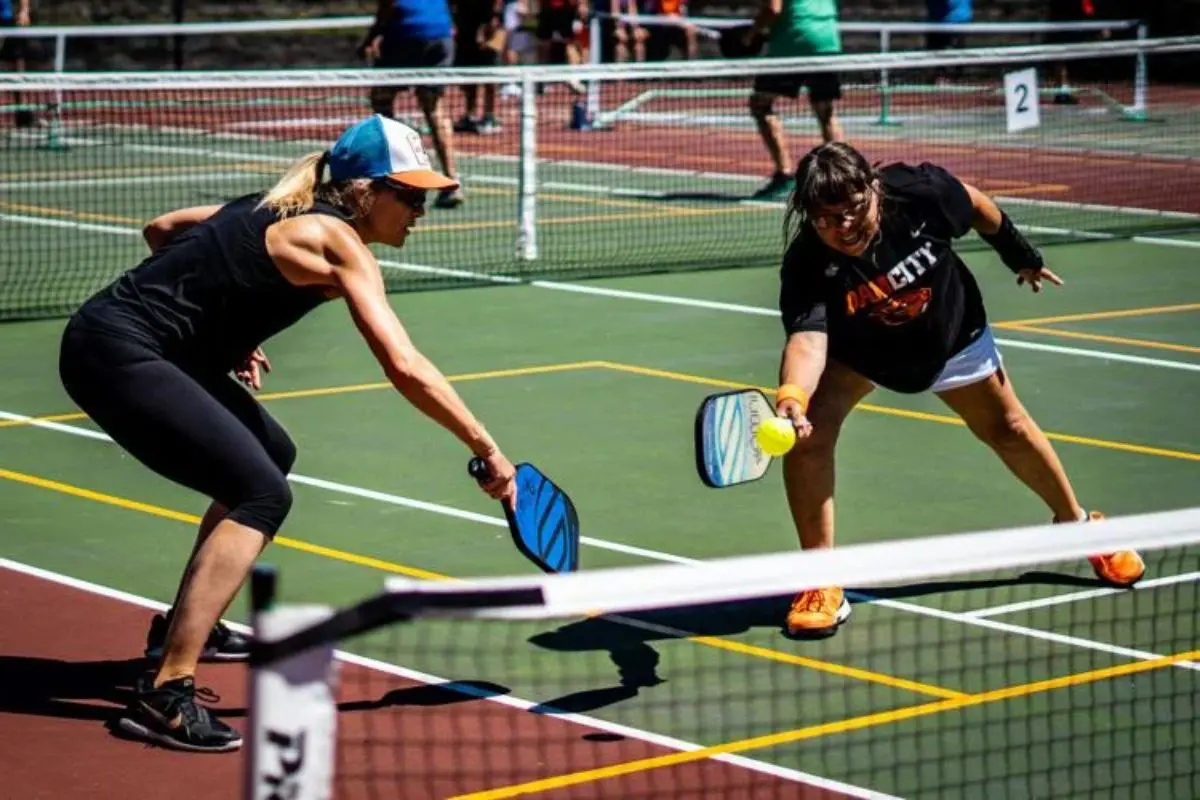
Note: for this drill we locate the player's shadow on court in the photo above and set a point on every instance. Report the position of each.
(637, 669)
(627, 637)
(84, 690)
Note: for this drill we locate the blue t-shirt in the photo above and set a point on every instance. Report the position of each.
(6, 11)
(955, 11)
(418, 19)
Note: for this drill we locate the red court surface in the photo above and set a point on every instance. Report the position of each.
(68, 658)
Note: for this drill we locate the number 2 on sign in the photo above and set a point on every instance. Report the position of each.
(1022, 92)
(1021, 100)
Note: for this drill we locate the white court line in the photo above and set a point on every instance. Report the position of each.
(654, 555)
(50, 222)
(1021, 630)
(503, 699)
(1087, 594)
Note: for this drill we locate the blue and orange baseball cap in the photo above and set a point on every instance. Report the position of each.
(382, 148)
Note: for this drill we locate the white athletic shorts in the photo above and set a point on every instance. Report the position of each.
(979, 361)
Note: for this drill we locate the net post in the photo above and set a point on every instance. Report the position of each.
(291, 735)
(885, 46)
(53, 135)
(1140, 78)
(263, 583)
(527, 175)
(595, 57)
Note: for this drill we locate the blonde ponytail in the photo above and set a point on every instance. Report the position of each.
(297, 189)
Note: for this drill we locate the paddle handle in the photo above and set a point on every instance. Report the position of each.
(478, 469)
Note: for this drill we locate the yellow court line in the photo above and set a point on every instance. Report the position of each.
(515, 372)
(179, 516)
(1114, 314)
(348, 389)
(1097, 337)
(64, 212)
(438, 227)
(842, 670)
(423, 574)
(925, 416)
(825, 729)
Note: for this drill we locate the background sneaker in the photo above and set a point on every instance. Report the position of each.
(224, 643)
(449, 198)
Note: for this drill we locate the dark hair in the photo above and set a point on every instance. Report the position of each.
(828, 175)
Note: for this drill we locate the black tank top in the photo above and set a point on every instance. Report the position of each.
(210, 296)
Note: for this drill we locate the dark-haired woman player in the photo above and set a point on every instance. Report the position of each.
(149, 359)
(874, 294)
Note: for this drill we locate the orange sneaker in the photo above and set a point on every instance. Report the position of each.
(1122, 568)
(817, 613)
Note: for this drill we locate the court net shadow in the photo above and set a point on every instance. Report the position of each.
(628, 637)
(437, 694)
(1034, 578)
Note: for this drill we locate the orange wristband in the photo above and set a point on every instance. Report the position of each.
(790, 391)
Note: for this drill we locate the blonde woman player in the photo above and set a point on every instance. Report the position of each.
(149, 359)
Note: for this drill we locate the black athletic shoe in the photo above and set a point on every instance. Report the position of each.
(223, 643)
(169, 716)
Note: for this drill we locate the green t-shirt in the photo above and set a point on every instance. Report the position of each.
(805, 28)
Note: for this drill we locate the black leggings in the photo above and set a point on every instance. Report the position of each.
(207, 433)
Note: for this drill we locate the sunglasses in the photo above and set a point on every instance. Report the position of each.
(413, 198)
(832, 219)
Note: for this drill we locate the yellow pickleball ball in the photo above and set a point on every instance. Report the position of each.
(775, 435)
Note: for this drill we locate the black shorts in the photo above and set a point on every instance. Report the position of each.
(663, 38)
(204, 432)
(822, 86)
(468, 52)
(12, 48)
(416, 54)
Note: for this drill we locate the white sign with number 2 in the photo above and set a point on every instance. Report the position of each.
(1021, 100)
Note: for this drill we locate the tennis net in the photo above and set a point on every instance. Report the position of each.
(973, 665)
(665, 179)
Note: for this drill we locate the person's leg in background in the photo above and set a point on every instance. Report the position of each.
(13, 52)
(492, 48)
(766, 91)
(440, 53)
(825, 89)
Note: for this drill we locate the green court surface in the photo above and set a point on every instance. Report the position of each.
(600, 391)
